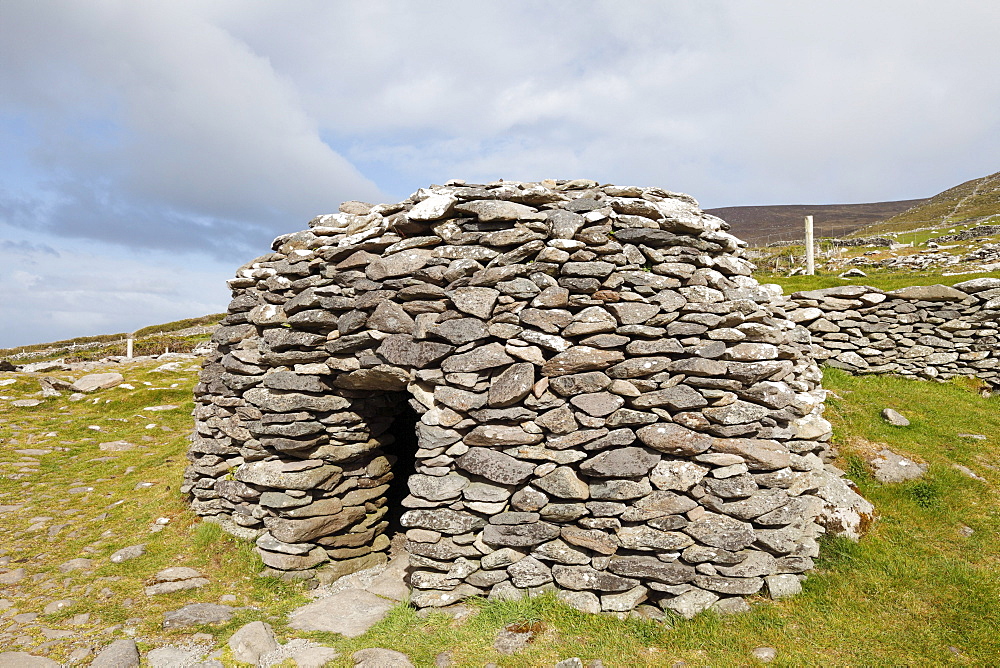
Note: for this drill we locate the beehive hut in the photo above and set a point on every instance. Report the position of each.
(544, 385)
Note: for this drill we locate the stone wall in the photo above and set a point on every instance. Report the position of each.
(930, 331)
(604, 402)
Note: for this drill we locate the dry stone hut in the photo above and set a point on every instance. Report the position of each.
(553, 385)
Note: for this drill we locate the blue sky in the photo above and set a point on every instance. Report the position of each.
(148, 149)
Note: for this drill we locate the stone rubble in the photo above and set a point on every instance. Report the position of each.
(606, 403)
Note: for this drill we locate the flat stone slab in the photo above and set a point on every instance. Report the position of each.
(350, 613)
(119, 654)
(197, 614)
(890, 468)
(25, 660)
(377, 657)
(97, 381)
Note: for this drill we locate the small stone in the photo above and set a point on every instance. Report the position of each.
(691, 602)
(76, 564)
(197, 614)
(734, 605)
(894, 418)
(783, 586)
(764, 654)
(251, 641)
(377, 657)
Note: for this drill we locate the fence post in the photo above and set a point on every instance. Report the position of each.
(810, 251)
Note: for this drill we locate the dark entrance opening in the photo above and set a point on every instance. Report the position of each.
(404, 449)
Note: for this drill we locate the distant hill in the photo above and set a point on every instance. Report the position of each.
(975, 199)
(760, 225)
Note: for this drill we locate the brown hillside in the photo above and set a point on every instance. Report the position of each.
(760, 225)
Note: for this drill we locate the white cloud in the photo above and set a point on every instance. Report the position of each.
(67, 292)
(210, 126)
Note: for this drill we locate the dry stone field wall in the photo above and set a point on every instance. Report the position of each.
(932, 331)
(604, 402)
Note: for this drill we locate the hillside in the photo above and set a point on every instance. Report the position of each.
(975, 199)
(760, 225)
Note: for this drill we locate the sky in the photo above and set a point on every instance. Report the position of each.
(148, 149)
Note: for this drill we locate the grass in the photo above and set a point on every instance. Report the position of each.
(881, 280)
(914, 591)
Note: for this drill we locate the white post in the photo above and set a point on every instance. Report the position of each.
(810, 251)
(128, 348)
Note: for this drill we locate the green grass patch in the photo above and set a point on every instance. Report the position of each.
(914, 591)
(876, 279)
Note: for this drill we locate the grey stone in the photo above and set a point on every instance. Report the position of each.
(651, 568)
(624, 601)
(119, 654)
(350, 613)
(691, 602)
(300, 475)
(734, 605)
(460, 400)
(97, 381)
(889, 467)
(172, 656)
(437, 488)
(519, 535)
(495, 466)
(759, 454)
(783, 586)
(592, 539)
(390, 317)
(128, 553)
(478, 302)
(657, 504)
(561, 553)
(619, 490)
(620, 463)
(251, 641)
(377, 657)
(403, 263)
(197, 614)
(587, 578)
(738, 412)
(894, 418)
(403, 350)
(673, 439)
(446, 521)
(598, 404)
(679, 398)
(529, 572)
(928, 293)
(644, 538)
(721, 531)
(564, 483)
(512, 385)
(679, 475)
(485, 357)
(582, 383)
(580, 358)
(459, 331)
(731, 586)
